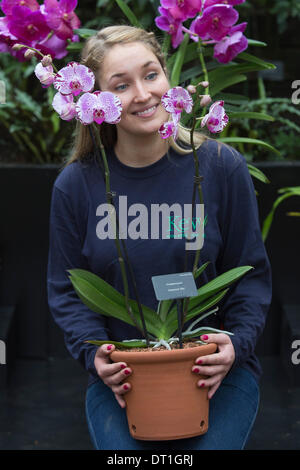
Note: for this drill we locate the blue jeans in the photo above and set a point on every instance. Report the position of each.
(232, 413)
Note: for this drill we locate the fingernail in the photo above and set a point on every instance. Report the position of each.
(204, 337)
(202, 384)
(127, 372)
(196, 370)
(199, 362)
(109, 347)
(125, 387)
(122, 366)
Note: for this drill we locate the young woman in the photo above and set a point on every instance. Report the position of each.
(147, 169)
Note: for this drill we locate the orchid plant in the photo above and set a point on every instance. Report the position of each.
(75, 99)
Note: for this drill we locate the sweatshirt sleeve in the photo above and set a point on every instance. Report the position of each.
(76, 320)
(246, 305)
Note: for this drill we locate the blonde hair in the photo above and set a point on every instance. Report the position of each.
(92, 55)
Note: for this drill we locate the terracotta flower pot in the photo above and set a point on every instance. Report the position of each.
(165, 402)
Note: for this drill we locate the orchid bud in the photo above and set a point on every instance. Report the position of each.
(205, 84)
(29, 53)
(46, 60)
(191, 89)
(17, 47)
(205, 100)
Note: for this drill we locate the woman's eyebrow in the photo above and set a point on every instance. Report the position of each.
(124, 73)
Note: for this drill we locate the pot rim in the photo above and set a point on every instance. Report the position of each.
(166, 355)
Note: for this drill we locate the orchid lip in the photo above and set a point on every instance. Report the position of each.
(145, 109)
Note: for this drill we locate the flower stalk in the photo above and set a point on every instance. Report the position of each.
(121, 260)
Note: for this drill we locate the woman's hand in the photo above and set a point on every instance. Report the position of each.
(215, 366)
(112, 373)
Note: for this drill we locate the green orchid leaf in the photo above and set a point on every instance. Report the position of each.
(247, 140)
(179, 60)
(256, 60)
(129, 13)
(286, 193)
(217, 284)
(250, 115)
(85, 33)
(253, 42)
(101, 297)
(171, 324)
(200, 270)
(203, 331)
(258, 174)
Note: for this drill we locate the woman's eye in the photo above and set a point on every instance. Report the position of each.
(119, 87)
(152, 74)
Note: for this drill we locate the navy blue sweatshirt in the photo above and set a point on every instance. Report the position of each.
(232, 238)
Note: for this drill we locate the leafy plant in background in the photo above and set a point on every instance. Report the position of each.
(284, 194)
(282, 132)
(30, 131)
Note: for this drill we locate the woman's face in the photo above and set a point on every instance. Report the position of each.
(134, 74)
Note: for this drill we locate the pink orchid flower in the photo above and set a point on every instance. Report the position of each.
(230, 47)
(216, 119)
(28, 25)
(74, 79)
(65, 106)
(168, 129)
(60, 17)
(7, 5)
(182, 9)
(176, 100)
(215, 22)
(99, 106)
(44, 74)
(168, 23)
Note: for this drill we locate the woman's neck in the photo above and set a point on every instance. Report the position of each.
(141, 152)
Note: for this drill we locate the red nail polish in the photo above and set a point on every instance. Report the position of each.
(204, 337)
(126, 372)
(109, 347)
(125, 387)
(202, 385)
(199, 362)
(122, 366)
(196, 370)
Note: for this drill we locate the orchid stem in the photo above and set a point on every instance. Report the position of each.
(117, 241)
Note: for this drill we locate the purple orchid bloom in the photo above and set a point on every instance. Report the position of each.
(168, 129)
(27, 25)
(74, 79)
(8, 5)
(54, 46)
(44, 74)
(65, 106)
(7, 40)
(182, 9)
(216, 118)
(215, 22)
(232, 45)
(60, 17)
(166, 22)
(176, 100)
(99, 106)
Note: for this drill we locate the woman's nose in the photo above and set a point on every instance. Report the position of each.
(141, 92)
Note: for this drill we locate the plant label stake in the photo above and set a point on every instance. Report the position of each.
(176, 286)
